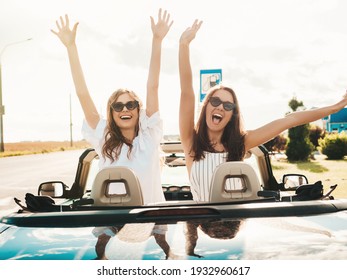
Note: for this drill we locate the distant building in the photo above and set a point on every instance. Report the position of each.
(336, 122)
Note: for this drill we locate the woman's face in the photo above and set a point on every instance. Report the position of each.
(126, 118)
(218, 117)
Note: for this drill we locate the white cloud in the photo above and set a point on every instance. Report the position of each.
(268, 50)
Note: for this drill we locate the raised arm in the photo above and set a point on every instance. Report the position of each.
(159, 30)
(265, 133)
(68, 38)
(187, 100)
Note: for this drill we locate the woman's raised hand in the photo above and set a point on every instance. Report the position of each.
(162, 27)
(342, 103)
(64, 33)
(189, 34)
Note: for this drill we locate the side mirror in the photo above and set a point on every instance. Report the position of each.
(293, 181)
(55, 189)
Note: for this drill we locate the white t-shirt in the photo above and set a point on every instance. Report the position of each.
(144, 159)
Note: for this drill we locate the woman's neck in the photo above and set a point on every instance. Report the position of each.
(129, 134)
(216, 141)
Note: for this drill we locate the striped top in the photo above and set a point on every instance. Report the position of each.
(201, 174)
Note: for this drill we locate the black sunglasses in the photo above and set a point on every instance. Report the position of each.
(131, 105)
(215, 102)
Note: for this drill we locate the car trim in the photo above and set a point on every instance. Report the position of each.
(102, 216)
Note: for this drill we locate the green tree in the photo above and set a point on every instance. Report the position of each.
(315, 134)
(281, 143)
(334, 145)
(277, 144)
(294, 104)
(299, 146)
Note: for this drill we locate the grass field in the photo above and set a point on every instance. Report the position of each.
(330, 172)
(26, 148)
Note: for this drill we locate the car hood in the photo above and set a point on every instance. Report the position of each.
(311, 237)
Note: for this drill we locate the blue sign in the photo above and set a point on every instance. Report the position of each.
(209, 78)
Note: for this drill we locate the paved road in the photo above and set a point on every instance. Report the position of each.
(22, 174)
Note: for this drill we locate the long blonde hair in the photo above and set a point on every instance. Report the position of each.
(114, 139)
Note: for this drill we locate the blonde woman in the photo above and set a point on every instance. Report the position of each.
(130, 135)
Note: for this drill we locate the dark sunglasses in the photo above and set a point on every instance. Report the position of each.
(215, 102)
(131, 105)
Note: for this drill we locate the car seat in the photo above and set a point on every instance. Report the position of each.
(130, 194)
(234, 180)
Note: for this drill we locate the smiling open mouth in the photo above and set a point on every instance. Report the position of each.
(217, 118)
(125, 117)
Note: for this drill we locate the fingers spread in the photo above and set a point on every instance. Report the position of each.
(67, 20)
(57, 24)
(75, 27)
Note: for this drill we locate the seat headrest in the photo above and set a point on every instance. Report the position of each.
(131, 194)
(234, 180)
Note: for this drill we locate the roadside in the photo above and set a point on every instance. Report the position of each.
(23, 174)
(330, 172)
(38, 147)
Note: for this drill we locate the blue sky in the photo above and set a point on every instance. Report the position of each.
(268, 51)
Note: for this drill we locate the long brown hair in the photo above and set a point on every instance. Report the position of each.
(114, 139)
(233, 134)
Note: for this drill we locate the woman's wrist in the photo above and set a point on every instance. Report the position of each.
(184, 44)
(157, 39)
(71, 46)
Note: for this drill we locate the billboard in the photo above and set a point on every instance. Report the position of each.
(208, 79)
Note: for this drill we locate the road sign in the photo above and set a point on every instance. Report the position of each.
(209, 78)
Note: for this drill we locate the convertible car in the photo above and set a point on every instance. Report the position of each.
(250, 215)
